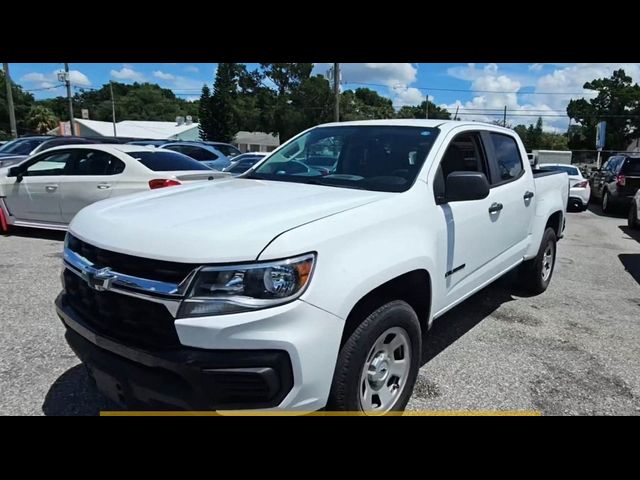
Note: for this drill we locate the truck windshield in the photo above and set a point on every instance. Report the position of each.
(381, 158)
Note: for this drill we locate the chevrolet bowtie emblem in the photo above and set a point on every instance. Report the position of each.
(100, 280)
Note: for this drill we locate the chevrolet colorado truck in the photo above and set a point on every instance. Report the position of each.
(299, 289)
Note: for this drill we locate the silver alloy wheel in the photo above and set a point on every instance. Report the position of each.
(605, 201)
(384, 374)
(547, 262)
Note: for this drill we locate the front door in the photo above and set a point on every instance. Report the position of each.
(37, 196)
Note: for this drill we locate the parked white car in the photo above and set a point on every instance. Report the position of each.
(297, 289)
(634, 216)
(48, 189)
(580, 190)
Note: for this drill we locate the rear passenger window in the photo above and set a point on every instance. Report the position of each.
(97, 163)
(507, 158)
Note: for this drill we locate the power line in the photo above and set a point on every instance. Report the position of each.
(468, 90)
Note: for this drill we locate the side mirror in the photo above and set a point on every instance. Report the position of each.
(466, 186)
(15, 172)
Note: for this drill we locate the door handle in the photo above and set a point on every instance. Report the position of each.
(51, 188)
(495, 208)
(104, 186)
(529, 195)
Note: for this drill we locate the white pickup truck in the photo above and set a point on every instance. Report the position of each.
(300, 289)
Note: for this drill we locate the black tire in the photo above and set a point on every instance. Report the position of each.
(606, 202)
(531, 272)
(353, 356)
(633, 216)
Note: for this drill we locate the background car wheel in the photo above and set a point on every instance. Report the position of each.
(535, 274)
(378, 365)
(633, 216)
(606, 202)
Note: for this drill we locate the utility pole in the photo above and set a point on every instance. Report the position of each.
(67, 80)
(426, 106)
(336, 89)
(12, 113)
(504, 118)
(113, 110)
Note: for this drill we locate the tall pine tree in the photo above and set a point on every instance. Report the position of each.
(204, 113)
(224, 124)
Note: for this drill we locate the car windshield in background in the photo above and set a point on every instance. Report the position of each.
(227, 150)
(21, 146)
(632, 166)
(380, 158)
(561, 168)
(164, 161)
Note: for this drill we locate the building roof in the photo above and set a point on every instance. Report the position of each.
(137, 129)
(257, 138)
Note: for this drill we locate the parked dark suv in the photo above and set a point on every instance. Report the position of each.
(617, 182)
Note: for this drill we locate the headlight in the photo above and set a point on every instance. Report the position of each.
(240, 288)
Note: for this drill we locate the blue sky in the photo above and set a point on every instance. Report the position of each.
(479, 91)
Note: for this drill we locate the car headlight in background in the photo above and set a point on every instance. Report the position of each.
(240, 288)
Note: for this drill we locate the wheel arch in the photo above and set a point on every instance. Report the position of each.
(414, 287)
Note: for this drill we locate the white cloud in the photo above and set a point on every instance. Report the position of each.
(396, 77)
(79, 78)
(164, 76)
(551, 92)
(191, 69)
(127, 73)
(49, 80)
(34, 77)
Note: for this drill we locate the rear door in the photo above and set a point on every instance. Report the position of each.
(94, 176)
(37, 196)
(514, 192)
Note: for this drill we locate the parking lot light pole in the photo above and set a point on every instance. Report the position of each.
(113, 110)
(12, 112)
(336, 89)
(67, 79)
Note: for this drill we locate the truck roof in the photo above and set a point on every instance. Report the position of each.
(413, 122)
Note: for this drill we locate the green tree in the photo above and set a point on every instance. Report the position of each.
(534, 135)
(364, 104)
(617, 102)
(22, 103)
(420, 111)
(137, 101)
(282, 107)
(41, 119)
(204, 113)
(223, 116)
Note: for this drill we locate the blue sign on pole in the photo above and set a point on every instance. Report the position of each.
(601, 131)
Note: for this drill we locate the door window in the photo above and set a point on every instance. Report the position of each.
(97, 163)
(52, 164)
(507, 160)
(465, 153)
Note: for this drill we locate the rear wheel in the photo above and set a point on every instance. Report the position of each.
(633, 216)
(535, 274)
(378, 365)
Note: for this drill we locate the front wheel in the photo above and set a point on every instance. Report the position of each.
(536, 274)
(633, 216)
(378, 365)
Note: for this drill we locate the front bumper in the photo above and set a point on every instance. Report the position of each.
(281, 357)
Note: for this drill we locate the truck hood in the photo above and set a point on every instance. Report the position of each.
(227, 220)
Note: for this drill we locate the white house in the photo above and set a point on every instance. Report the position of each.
(180, 130)
(256, 141)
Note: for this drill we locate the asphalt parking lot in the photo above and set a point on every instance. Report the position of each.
(574, 350)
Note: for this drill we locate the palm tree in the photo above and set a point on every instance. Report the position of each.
(41, 119)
